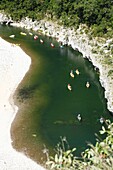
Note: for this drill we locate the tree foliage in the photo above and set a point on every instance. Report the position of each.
(95, 13)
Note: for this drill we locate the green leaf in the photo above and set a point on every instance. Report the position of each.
(68, 152)
(56, 158)
(74, 149)
(49, 162)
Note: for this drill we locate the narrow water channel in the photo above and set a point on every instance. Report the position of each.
(48, 109)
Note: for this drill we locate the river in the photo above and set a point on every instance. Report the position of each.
(47, 108)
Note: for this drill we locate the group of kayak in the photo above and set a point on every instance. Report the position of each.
(73, 75)
(79, 117)
(101, 119)
(35, 38)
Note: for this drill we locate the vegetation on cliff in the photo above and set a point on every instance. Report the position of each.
(98, 157)
(97, 14)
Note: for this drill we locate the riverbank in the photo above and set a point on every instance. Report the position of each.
(14, 63)
(97, 50)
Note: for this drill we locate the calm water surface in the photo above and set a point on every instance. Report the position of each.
(49, 110)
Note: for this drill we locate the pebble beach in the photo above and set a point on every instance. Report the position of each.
(14, 63)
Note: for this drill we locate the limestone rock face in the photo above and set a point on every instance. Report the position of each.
(5, 19)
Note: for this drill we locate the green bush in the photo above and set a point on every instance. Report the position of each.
(93, 13)
(98, 157)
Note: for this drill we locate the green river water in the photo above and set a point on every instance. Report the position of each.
(48, 109)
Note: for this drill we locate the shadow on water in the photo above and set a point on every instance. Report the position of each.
(48, 109)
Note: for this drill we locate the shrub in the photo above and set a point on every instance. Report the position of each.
(98, 157)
